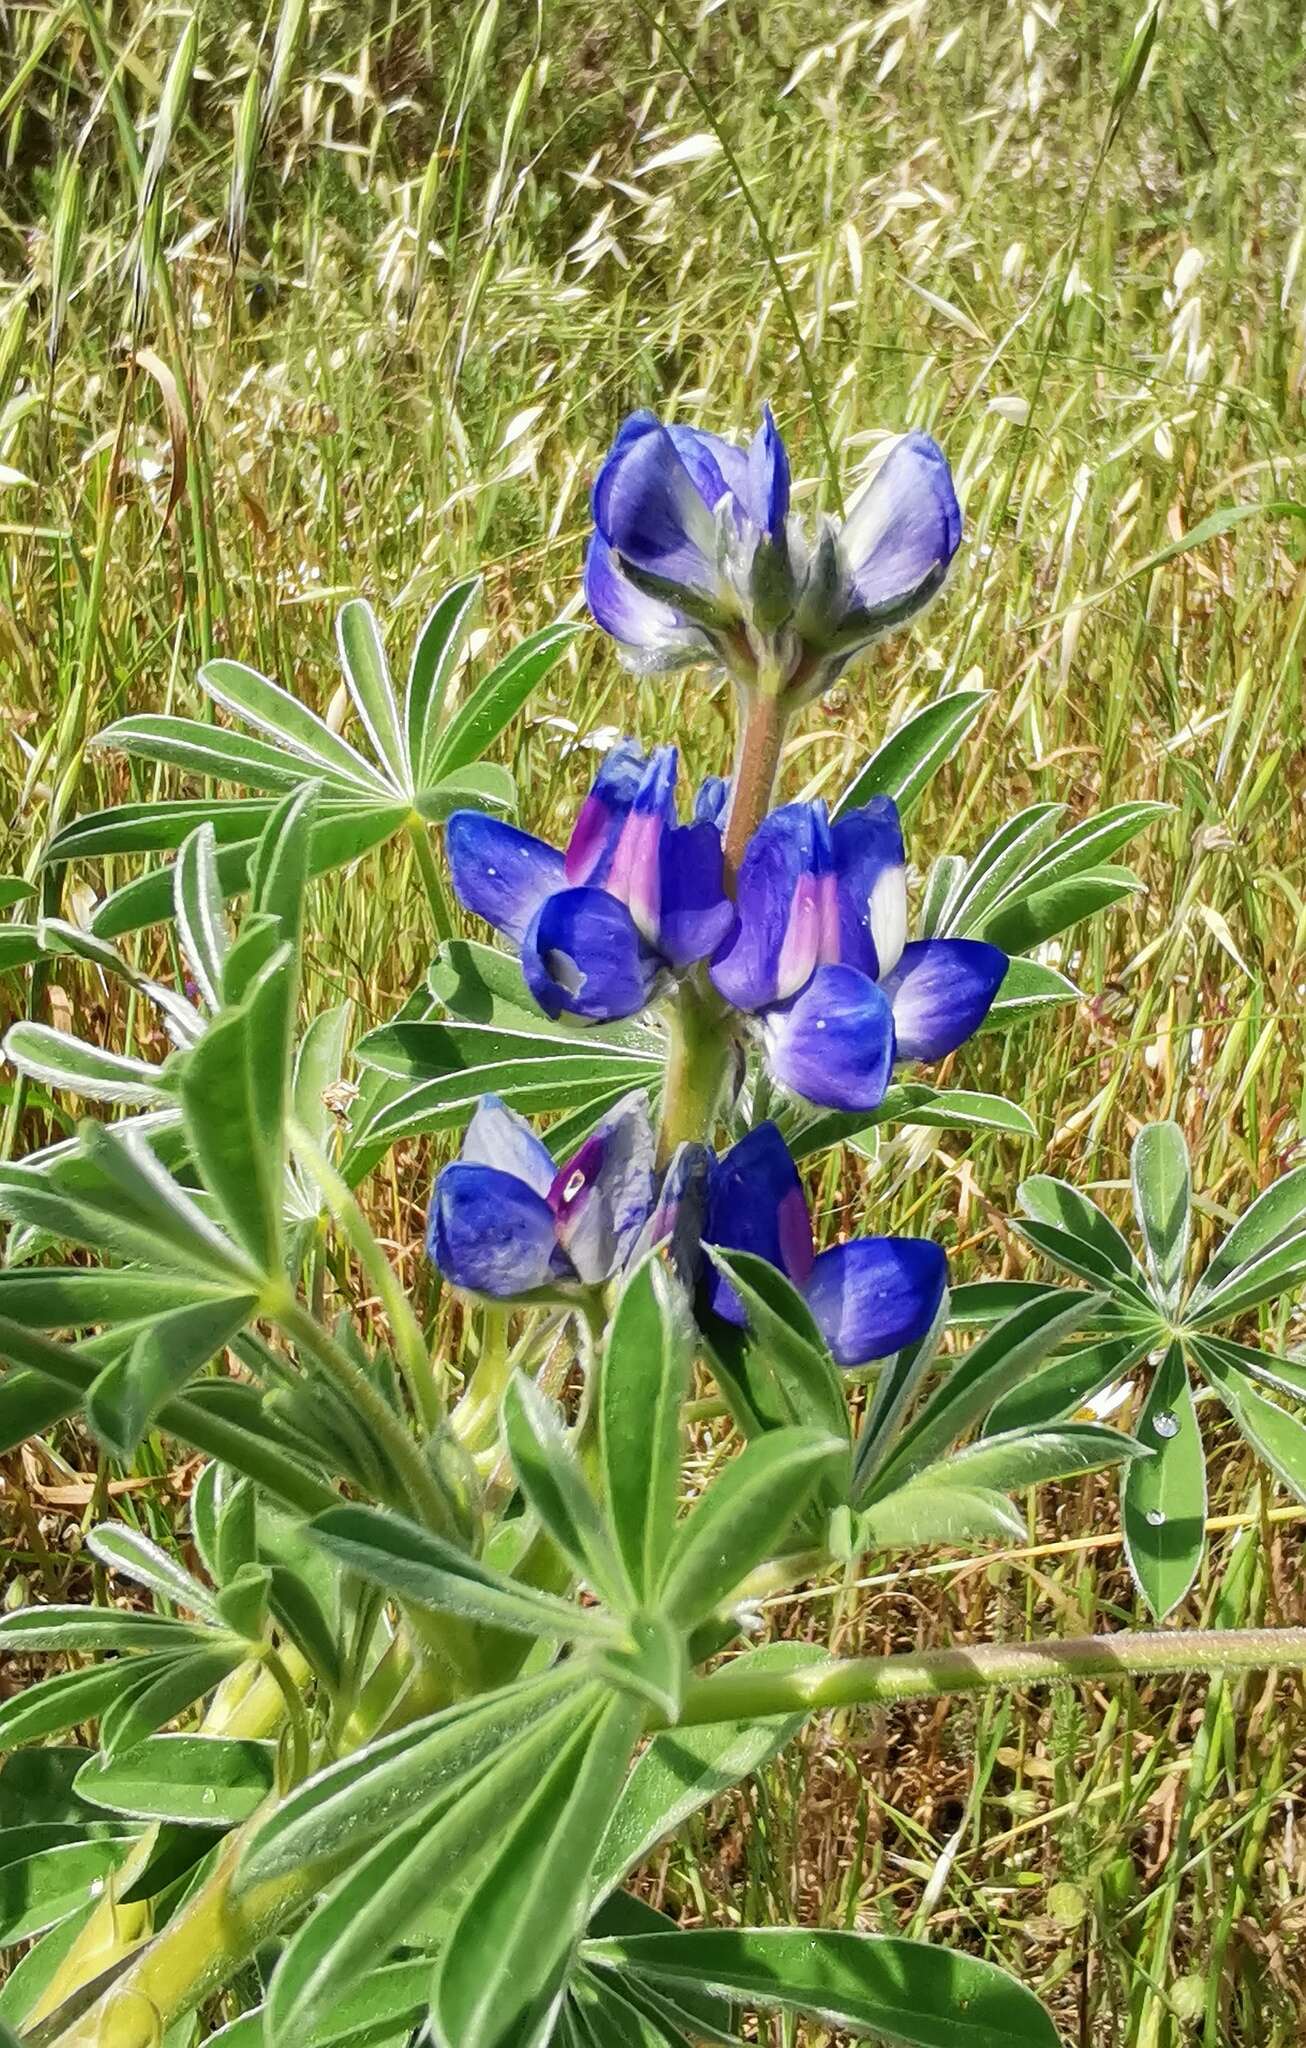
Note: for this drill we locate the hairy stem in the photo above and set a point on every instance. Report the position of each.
(765, 720)
(699, 1052)
(411, 1353)
(854, 1681)
(428, 867)
(113, 1929)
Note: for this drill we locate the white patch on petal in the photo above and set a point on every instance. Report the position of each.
(887, 914)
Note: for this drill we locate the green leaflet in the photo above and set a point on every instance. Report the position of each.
(742, 1517)
(1162, 1185)
(644, 1380)
(1163, 1499)
(199, 1780)
(510, 1941)
(906, 1993)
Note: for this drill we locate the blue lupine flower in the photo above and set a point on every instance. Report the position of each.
(505, 1221)
(636, 898)
(869, 1297)
(695, 556)
(820, 955)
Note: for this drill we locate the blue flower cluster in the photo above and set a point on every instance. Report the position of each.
(696, 557)
(507, 1223)
(813, 952)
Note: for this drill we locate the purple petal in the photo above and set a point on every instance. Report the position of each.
(711, 800)
(833, 1045)
(603, 1195)
(755, 1203)
(644, 624)
(677, 1218)
(499, 873)
(875, 1295)
(768, 479)
(605, 810)
(941, 992)
(714, 465)
(650, 508)
(903, 532)
(498, 1137)
(788, 910)
(696, 915)
(871, 865)
(635, 874)
(583, 955)
(489, 1232)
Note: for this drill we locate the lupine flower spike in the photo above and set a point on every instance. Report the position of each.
(505, 1221)
(605, 927)
(696, 557)
(821, 957)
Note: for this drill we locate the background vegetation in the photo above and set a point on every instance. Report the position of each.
(350, 300)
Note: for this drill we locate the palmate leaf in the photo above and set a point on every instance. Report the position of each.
(347, 1805)
(509, 1944)
(412, 763)
(495, 701)
(1069, 1383)
(217, 1417)
(907, 1993)
(1001, 1359)
(341, 833)
(1025, 886)
(1073, 1232)
(366, 1914)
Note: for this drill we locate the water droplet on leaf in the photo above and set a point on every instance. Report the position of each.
(1155, 1517)
(1165, 1424)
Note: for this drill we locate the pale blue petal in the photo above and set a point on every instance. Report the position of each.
(498, 1137)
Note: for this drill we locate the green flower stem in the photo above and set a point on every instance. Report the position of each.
(114, 1930)
(419, 833)
(195, 1955)
(410, 1346)
(730, 1695)
(700, 1051)
(475, 1419)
